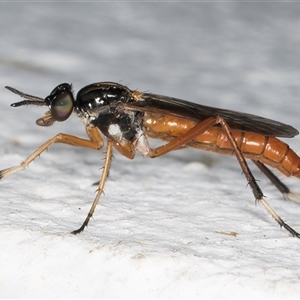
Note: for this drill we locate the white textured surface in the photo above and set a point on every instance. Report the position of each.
(162, 227)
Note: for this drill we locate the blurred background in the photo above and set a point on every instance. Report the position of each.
(242, 56)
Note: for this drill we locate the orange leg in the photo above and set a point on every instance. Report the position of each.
(95, 142)
(183, 139)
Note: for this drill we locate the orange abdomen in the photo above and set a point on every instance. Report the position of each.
(266, 149)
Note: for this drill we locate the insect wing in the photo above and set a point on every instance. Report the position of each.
(236, 120)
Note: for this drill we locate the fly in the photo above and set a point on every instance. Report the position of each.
(129, 118)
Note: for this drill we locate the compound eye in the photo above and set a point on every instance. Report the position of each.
(62, 106)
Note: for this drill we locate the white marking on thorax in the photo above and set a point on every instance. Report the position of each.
(115, 131)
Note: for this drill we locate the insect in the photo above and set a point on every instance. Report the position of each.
(128, 118)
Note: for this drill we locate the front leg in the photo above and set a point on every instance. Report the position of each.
(95, 142)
